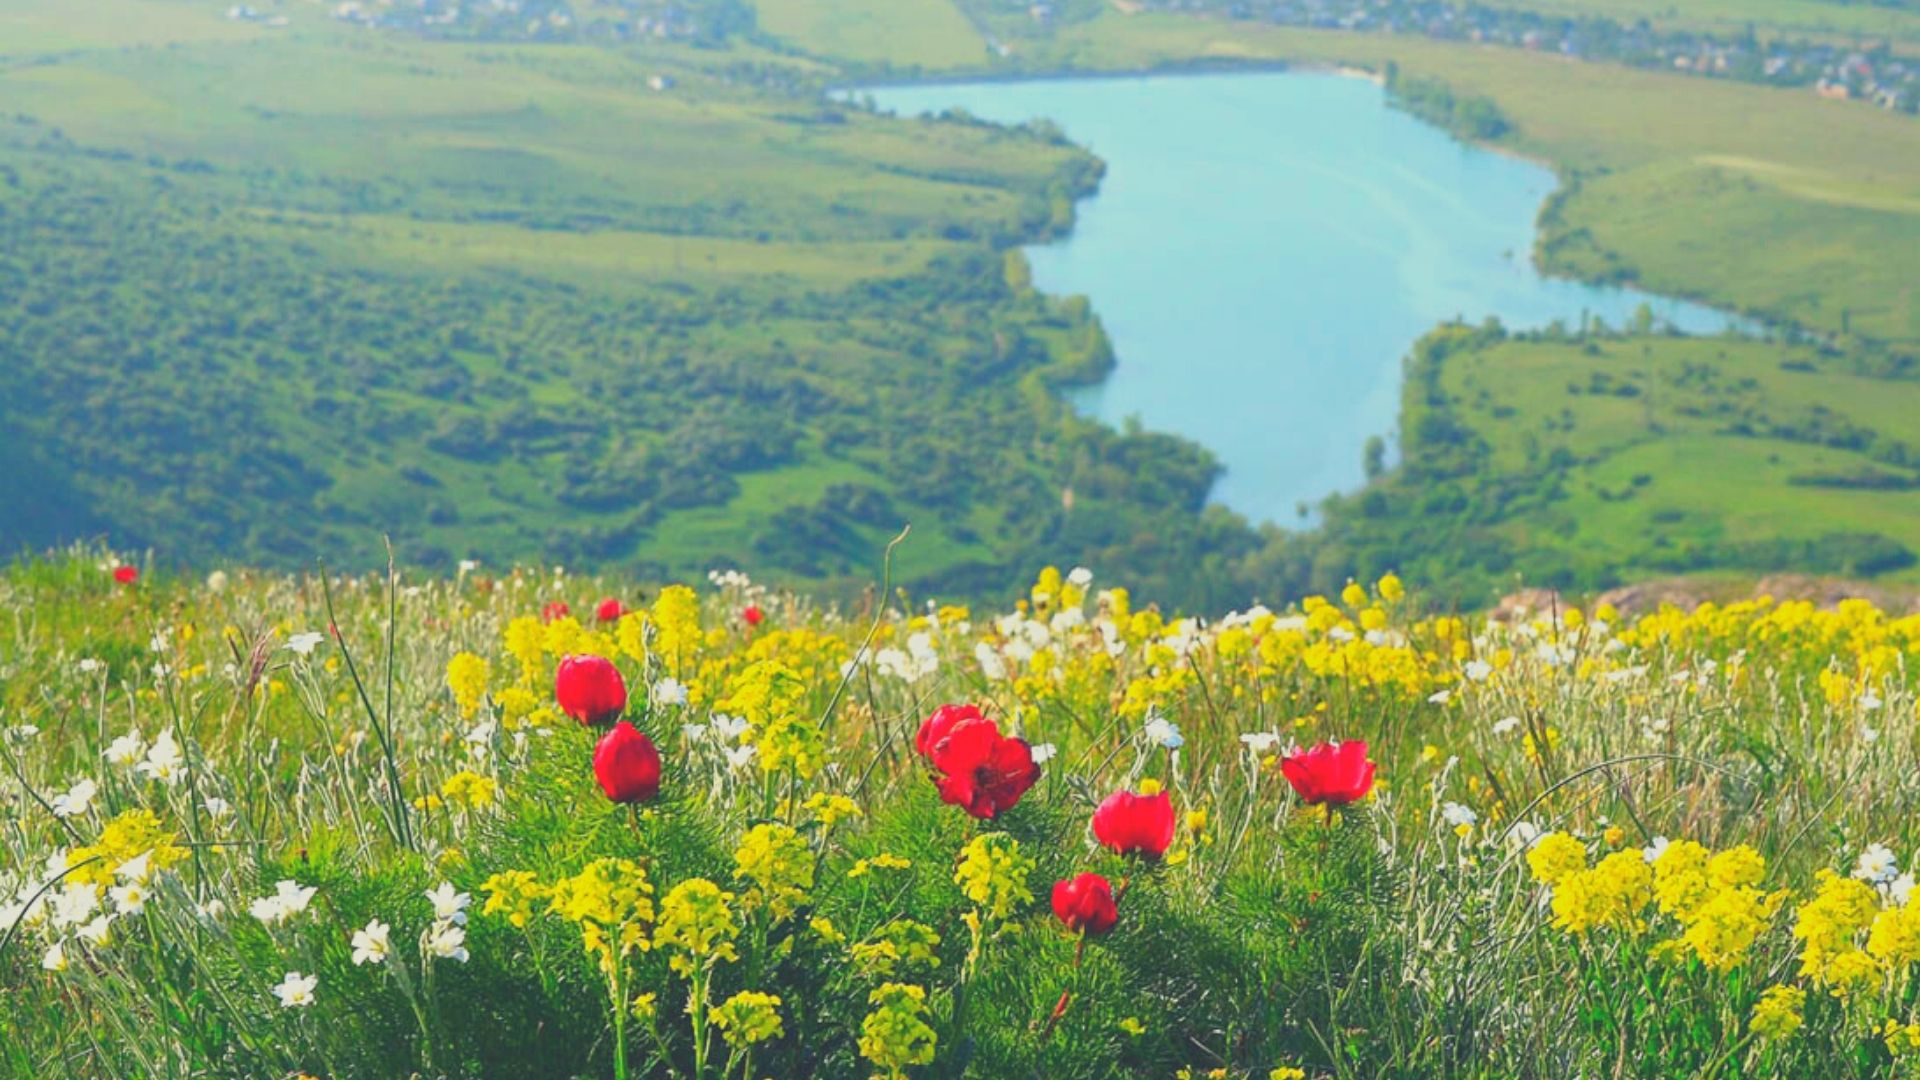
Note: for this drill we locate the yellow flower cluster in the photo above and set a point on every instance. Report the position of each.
(776, 862)
(895, 1035)
(609, 899)
(830, 810)
(697, 925)
(513, 893)
(902, 942)
(993, 874)
(1777, 1015)
(467, 676)
(1828, 926)
(748, 1017)
(676, 625)
(469, 789)
(1716, 899)
(125, 838)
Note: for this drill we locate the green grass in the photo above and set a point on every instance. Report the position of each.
(1728, 18)
(927, 34)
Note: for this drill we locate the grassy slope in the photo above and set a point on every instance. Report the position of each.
(1794, 18)
(1699, 481)
(900, 33)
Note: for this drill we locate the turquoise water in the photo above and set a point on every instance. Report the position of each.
(1266, 247)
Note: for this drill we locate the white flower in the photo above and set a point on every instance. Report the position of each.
(164, 762)
(1044, 753)
(55, 958)
(96, 933)
(990, 663)
(449, 904)
(216, 807)
(24, 731)
(1260, 742)
(137, 869)
(1877, 864)
(1439, 697)
(290, 898)
(468, 566)
(1164, 732)
(89, 665)
(371, 945)
(446, 941)
(1080, 577)
(1523, 834)
(1869, 733)
(1456, 815)
(739, 757)
(303, 644)
(1340, 633)
(669, 691)
(128, 899)
(1870, 701)
(693, 732)
(75, 903)
(296, 990)
(76, 800)
(729, 728)
(1901, 889)
(1506, 725)
(126, 749)
(212, 909)
(217, 581)
(1478, 670)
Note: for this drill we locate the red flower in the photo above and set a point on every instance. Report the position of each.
(590, 689)
(981, 771)
(1331, 773)
(126, 575)
(753, 615)
(610, 610)
(1135, 824)
(1085, 903)
(935, 727)
(555, 610)
(627, 765)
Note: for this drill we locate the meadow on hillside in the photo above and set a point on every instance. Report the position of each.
(527, 823)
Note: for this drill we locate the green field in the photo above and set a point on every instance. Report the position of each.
(1835, 19)
(898, 33)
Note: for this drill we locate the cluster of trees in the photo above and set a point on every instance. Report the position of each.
(1432, 100)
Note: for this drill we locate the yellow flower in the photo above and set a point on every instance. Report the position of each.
(778, 864)
(1737, 866)
(1894, 939)
(1132, 1026)
(748, 1017)
(902, 941)
(467, 676)
(127, 837)
(1827, 925)
(526, 641)
(1390, 590)
(894, 1034)
(1611, 894)
(1680, 881)
(830, 810)
(993, 874)
(696, 922)
(512, 893)
(676, 624)
(469, 789)
(1554, 856)
(1777, 1014)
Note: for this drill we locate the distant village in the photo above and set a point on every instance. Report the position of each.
(527, 20)
(1869, 73)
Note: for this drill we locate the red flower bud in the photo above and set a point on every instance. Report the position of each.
(610, 610)
(1132, 824)
(1085, 903)
(590, 689)
(753, 615)
(1332, 773)
(558, 609)
(126, 575)
(627, 765)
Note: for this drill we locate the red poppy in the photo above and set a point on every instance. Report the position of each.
(982, 771)
(627, 765)
(590, 689)
(936, 726)
(558, 609)
(1086, 903)
(126, 575)
(753, 615)
(610, 610)
(1332, 773)
(1135, 824)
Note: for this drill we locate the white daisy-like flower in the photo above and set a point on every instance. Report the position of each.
(1259, 743)
(729, 728)
(98, 933)
(217, 581)
(446, 941)
(55, 958)
(1164, 732)
(1478, 670)
(372, 944)
(128, 899)
(1080, 577)
(449, 903)
(693, 732)
(296, 990)
(303, 643)
(1044, 752)
(1439, 697)
(136, 870)
(1877, 865)
(89, 665)
(1523, 834)
(1900, 890)
(289, 899)
(739, 757)
(989, 660)
(1870, 701)
(217, 808)
(126, 750)
(76, 800)
(75, 903)
(164, 761)
(1506, 725)
(1457, 815)
(669, 691)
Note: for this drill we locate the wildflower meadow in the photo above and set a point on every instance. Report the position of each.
(523, 823)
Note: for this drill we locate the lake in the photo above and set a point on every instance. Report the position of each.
(1266, 247)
